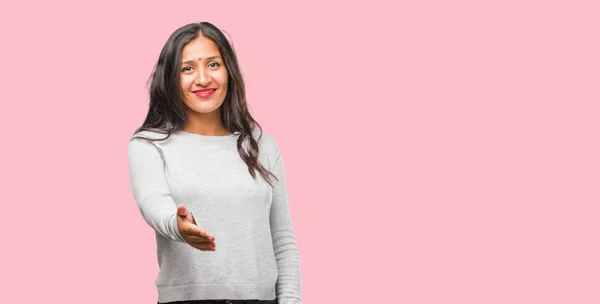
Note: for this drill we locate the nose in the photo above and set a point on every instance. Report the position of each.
(203, 79)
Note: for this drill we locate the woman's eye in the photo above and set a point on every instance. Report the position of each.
(214, 64)
(186, 69)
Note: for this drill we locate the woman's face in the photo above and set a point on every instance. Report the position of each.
(203, 76)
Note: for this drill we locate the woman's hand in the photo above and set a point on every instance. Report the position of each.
(191, 233)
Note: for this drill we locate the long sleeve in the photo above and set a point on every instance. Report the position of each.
(150, 189)
(288, 286)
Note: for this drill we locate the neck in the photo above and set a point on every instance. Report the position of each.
(208, 124)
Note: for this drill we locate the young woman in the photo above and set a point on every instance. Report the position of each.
(210, 182)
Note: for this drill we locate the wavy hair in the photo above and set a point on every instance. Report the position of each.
(167, 110)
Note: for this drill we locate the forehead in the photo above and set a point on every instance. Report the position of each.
(200, 47)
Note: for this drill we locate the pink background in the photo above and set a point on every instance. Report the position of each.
(439, 152)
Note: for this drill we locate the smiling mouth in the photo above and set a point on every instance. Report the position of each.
(204, 93)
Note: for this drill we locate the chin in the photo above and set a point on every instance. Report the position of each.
(204, 109)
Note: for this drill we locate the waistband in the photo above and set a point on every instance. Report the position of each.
(223, 302)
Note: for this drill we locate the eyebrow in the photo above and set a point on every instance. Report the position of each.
(207, 58)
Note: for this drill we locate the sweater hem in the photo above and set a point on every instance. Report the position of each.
(216, 292)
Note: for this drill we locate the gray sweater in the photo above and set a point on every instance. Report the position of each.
(256, 255)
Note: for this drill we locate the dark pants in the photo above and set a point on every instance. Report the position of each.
(223, 302)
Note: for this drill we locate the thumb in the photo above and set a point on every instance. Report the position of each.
(182, 211)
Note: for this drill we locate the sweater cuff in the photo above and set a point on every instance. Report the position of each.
(176, 229)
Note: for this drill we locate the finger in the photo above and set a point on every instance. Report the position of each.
(194, 230)
(205, 242)
(199, 239)
(205, 234)
(204, 247)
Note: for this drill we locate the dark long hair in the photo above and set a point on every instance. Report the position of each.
(167, 110)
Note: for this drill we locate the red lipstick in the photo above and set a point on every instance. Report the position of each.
(204, 93)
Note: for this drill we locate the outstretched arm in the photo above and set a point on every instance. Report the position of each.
(150, 189)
